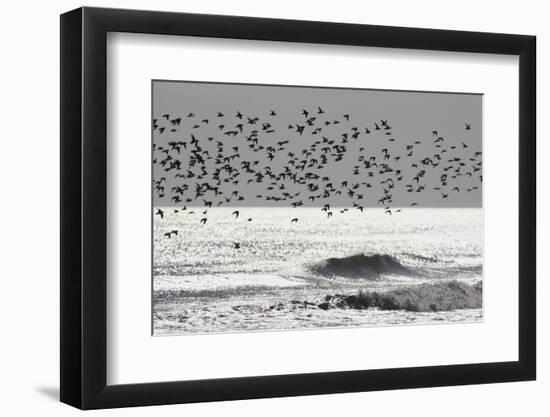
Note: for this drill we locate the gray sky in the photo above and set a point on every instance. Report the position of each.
(412, 116)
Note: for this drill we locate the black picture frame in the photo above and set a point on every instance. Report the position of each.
(84, 207)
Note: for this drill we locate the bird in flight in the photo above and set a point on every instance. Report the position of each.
(320, 160)
(169, 234)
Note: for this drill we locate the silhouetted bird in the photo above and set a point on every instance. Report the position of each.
(304, 168)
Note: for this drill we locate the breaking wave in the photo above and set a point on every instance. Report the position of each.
(362, 266)
(441, 296)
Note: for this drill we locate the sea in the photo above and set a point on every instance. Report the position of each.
(261, 271)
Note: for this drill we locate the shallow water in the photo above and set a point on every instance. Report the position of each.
(202, 283)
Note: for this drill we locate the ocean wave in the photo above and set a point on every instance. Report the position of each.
(470, 269)
(361, 266)
(420, 258)
(440, 296)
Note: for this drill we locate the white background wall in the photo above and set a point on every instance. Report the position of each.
(29, 219)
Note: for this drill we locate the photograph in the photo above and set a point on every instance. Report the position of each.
(282, 207)
(275, 209)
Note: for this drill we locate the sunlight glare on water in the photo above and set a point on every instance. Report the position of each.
(200, 277)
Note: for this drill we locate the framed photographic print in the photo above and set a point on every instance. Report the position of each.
(257, 208)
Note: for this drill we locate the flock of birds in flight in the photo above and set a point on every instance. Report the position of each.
(198, 167)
